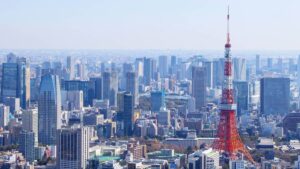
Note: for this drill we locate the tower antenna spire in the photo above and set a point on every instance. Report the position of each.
(228, 31)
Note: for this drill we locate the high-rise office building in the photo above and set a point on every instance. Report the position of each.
(270, 63)
(127, 67)
(239, 69)
(148, 71)
(157, 100)
(4, 115)
(70, 68)
(218, 75)
(241, 93)
(275, 95)
(72, 147)
(16, 81)
(199, 86)
(132, 85)
(209, 73)
(173, 69)
(49, 109)
(96, 87)
(257, 64)
(126, 111)
(110, 87)
(163, 66)
(26, 145)
(81, 72)
(30, 122)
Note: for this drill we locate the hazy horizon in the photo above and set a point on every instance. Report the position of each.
(143, 25)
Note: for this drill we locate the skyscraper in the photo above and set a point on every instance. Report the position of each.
(16, 81)
(110, 87)
(26, 144)
(72, 147)
(70, 68)
(148, 71)
(257, 64)
(96, 86)
(127, 67)
(30, 122)
(157, 100)
(241, 95)
(209, 73)
(125, 111)
(163, 66)
(49, 108)
(199, 86)
(275, 95)
(4, 115)
(132, 85)
(239, 69)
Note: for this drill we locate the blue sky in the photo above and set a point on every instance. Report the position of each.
(148, 24)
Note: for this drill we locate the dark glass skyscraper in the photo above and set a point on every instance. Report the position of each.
(275, 95)
(125, 111)
(241, 93)
(49, 108)
(199, 86)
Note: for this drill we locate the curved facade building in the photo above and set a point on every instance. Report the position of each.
(49, 108)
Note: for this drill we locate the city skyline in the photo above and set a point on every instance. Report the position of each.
(148, 25)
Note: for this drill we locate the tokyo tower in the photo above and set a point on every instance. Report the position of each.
(229, 141)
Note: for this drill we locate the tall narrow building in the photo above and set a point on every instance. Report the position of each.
(110, 87)
(126, 111)
(257, 64)
(148, 71)
(163, 66)
(72, 147)
(132, 85)
(70, 68)
(199, 86)
(49, 108)
(239, 69)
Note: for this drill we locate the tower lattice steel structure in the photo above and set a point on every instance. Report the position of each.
(229, 141)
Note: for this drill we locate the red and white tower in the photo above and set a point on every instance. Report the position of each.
(229, 140)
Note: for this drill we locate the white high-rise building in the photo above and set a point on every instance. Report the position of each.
(72, 147)
(239, 69)
(30, 122)
(4, 115)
